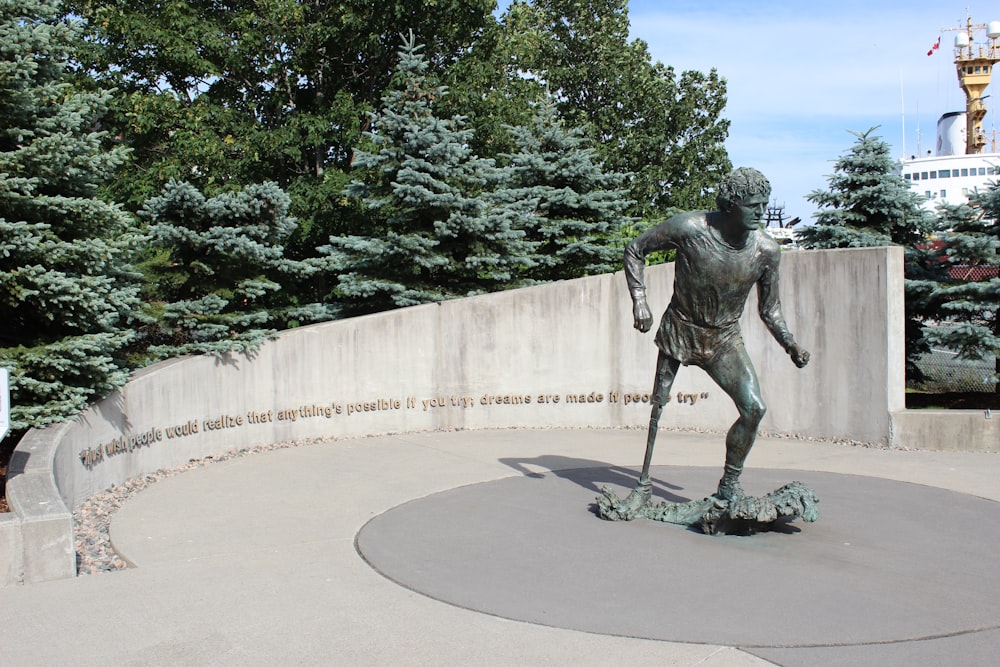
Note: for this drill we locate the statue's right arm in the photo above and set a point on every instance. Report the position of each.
(657, 238)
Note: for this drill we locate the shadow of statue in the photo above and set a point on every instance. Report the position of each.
(589, 474)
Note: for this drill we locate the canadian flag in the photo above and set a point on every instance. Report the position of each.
(934, 48)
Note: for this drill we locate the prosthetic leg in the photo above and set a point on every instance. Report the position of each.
(666, 371)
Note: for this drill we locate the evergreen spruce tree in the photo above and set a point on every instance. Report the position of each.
(867, 203)
(215, 281)
(966, 295)
(435, 235)
(870, 204)
(66, 287)
(571, 210)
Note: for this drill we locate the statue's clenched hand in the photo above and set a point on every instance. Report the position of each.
(798, 355)
(643, 316)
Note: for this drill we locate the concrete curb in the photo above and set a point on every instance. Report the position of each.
(945, 430)
(42, 548)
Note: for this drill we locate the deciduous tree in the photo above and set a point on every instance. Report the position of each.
(664, 129)
(223, 95)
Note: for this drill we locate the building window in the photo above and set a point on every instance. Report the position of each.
(906, 176)
(965, 172)
(933, 174)
(982, 171)
(923, 175)
(944, 194)
(927, 194)
(944, 173)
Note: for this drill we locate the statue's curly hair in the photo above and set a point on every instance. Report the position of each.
(740, 185)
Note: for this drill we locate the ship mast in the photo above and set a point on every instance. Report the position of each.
(974, 64)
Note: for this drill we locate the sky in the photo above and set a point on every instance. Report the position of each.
(802, 74)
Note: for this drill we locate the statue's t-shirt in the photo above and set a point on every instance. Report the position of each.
(712, 280)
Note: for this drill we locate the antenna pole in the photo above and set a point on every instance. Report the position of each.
(902, 111)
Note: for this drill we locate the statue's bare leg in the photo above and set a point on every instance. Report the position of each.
(666, 371)
(734, 373)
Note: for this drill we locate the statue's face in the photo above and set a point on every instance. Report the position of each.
(751, 210)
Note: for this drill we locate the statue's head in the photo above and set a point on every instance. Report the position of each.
(741, 185)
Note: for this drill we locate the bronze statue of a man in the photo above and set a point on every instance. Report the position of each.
(721, 255)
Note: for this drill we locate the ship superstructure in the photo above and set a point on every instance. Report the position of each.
(778, 227)
(966, 157)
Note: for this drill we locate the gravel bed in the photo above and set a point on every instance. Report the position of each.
(92, 519)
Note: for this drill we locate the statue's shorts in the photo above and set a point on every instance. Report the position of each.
(691, 343)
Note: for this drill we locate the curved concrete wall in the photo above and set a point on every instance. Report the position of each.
(562, 354)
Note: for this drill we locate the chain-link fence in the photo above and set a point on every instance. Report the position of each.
(945, 372)
(973, 274)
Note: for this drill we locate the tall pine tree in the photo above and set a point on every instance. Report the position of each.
(66, 287)
(571, 209)
(869, 204)
(435, 236)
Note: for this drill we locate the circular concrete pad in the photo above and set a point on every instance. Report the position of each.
(886, 562)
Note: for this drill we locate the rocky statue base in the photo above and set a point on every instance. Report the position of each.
(743, 515)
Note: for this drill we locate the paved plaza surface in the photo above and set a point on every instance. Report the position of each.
(482, 548)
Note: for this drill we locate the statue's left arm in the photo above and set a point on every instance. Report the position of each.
(769, 305)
